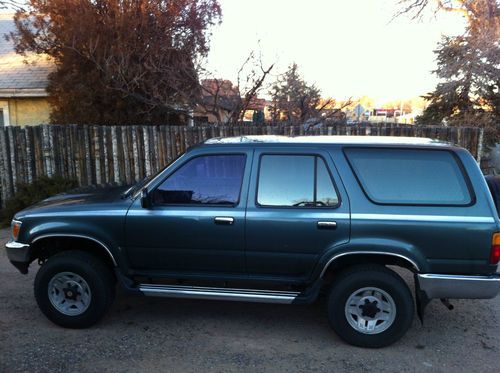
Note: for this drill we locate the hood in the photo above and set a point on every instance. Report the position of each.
(80, 200)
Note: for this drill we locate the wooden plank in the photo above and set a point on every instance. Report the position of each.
(12, 157)
(29, 154)
(135, 151)
(5, 173)
(87, 157)
(96, 139)
(126, 155)
(70, 155)
(53, 153)
(114, 146)
(147, 151)
(47, 170)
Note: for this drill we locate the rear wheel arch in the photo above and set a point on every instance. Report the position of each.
(342, 261)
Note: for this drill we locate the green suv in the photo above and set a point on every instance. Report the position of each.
(277, 220)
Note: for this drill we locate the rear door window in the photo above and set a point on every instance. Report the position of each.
(410, 176)
(295, 181)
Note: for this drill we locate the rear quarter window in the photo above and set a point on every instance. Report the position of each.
(410, 176)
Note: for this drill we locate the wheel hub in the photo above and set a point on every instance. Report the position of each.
(69, 293)
(370, 310)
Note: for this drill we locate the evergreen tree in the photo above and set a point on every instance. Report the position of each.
(293, 99)
(468, 67)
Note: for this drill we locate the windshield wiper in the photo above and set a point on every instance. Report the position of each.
(130, 191)
(127, 193)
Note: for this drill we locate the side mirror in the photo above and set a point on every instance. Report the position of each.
(145, 199)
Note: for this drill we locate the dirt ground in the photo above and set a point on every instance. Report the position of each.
(153, 334)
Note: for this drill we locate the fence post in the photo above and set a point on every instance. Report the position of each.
(5, 174)
(480, 146)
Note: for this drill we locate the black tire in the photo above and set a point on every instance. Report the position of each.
(93, 271)
(365, 276)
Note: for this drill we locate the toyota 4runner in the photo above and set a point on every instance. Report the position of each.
(278, 220)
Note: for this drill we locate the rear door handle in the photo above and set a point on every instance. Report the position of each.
(224, 220)
(327, 225)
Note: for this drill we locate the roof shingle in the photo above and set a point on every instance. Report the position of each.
(20, 74)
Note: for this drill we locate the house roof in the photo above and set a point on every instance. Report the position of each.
(227, 95)
(219, 92)
(21, 76)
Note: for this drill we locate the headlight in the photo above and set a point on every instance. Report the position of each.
(16, 227)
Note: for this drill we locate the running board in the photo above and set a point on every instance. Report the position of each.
(241, 295)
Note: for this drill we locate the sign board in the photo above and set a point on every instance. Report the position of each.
(359, 110)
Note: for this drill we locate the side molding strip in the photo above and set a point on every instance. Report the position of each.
(437, 218)
(79, 236)
(241, 295)
(335, 257)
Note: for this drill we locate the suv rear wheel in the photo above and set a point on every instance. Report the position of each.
(74, 289)
(370, 306)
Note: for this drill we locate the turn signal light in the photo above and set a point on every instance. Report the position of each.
(495, 249)
(16, 226)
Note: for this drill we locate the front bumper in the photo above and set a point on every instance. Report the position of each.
(458, 286)
(19, 255)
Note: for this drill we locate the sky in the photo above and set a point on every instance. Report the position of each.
(348, 48)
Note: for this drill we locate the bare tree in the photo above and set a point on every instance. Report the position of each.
(11, 4)
(416, 8)
(219, 95)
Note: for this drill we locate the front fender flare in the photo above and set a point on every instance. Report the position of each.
(55, 229)
(71, 235)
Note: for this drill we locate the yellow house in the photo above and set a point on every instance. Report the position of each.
(23, 82)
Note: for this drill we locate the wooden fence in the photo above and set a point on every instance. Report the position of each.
(97, 155)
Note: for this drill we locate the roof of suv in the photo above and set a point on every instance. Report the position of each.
(339, 140)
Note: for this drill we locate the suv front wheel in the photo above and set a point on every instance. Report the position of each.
(370, 306)
(74, 289)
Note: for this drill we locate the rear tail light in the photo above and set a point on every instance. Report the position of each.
(495, 249)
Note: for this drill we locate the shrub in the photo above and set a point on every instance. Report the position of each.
(28, 194)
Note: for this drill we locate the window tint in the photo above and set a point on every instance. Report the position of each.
(405, 176)
(289, 180)
(214, 179)
(325, 191)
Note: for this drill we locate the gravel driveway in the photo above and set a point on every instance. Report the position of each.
(155, 334)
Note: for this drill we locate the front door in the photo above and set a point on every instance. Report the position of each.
(295, 212)
(196, 222)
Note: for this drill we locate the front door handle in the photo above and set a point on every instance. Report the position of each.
(224, 220)
(327, 225)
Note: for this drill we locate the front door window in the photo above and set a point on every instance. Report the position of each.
(206, 180)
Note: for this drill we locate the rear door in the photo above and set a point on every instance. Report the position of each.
(297, 208)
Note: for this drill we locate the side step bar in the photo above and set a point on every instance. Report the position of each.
(195, 292)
